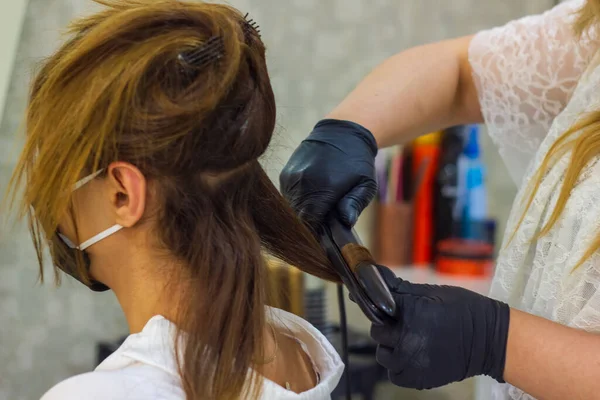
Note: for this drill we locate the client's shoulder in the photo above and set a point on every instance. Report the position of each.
(88, 386)
(134, 383)
(297, 325)
(313, 342)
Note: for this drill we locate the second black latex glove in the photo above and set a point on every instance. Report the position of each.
(442, 334)
(334, 167)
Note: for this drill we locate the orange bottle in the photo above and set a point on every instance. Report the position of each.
(426, 153)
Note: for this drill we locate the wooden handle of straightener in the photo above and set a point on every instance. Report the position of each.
(375, 295)
(355, 254)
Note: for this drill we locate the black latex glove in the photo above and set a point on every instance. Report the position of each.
(333, 167)
(442, 334)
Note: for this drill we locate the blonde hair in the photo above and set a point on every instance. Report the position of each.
(123, 88)
(587, 16)
(583, 148)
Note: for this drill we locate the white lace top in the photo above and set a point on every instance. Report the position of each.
(535, 78)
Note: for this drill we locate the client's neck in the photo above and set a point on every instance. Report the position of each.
(143, 288)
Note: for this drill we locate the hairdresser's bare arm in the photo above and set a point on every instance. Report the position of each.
(550, 361)
(420, 90)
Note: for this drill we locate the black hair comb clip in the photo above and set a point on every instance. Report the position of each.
(250, 28)
(212, 50)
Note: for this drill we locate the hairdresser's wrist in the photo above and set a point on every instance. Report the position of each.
(366, 122)
(521, 347)
(328, 128)
(384, 135)
(494, 346)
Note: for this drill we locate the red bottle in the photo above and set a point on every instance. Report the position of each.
(426, 153)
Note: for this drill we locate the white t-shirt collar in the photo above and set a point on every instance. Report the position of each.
(153, 346)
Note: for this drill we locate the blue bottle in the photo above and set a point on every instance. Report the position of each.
(473, 203)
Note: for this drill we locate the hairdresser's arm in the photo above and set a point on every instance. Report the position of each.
(420, 90)
(414, 92)
(550, 361)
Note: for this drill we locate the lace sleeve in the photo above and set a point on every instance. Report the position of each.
(578, 305)
(525, 73)
(576, 299)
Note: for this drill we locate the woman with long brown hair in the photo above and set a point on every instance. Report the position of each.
(535, 82)
(141, 174)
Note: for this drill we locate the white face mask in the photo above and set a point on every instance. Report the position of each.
(102, 235)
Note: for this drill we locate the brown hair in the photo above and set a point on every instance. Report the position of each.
(583, 148)
(118, 90)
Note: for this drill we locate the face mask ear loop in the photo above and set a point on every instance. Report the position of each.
(99, 237)
(86, 180)
(66, 241)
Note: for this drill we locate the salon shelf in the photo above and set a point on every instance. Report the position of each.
(429, 276)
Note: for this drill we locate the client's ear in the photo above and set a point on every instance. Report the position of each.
(127, 187)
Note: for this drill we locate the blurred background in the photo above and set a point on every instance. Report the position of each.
(317, 52)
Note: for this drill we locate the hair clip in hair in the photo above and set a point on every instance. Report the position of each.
(212, 50)
(250, 28)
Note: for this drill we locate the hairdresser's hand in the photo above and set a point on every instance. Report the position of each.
(442, 334)
(333, 168)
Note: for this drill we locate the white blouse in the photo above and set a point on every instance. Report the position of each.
(535, 79)
(144, 367)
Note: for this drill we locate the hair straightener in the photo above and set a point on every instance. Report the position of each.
(358, 271)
